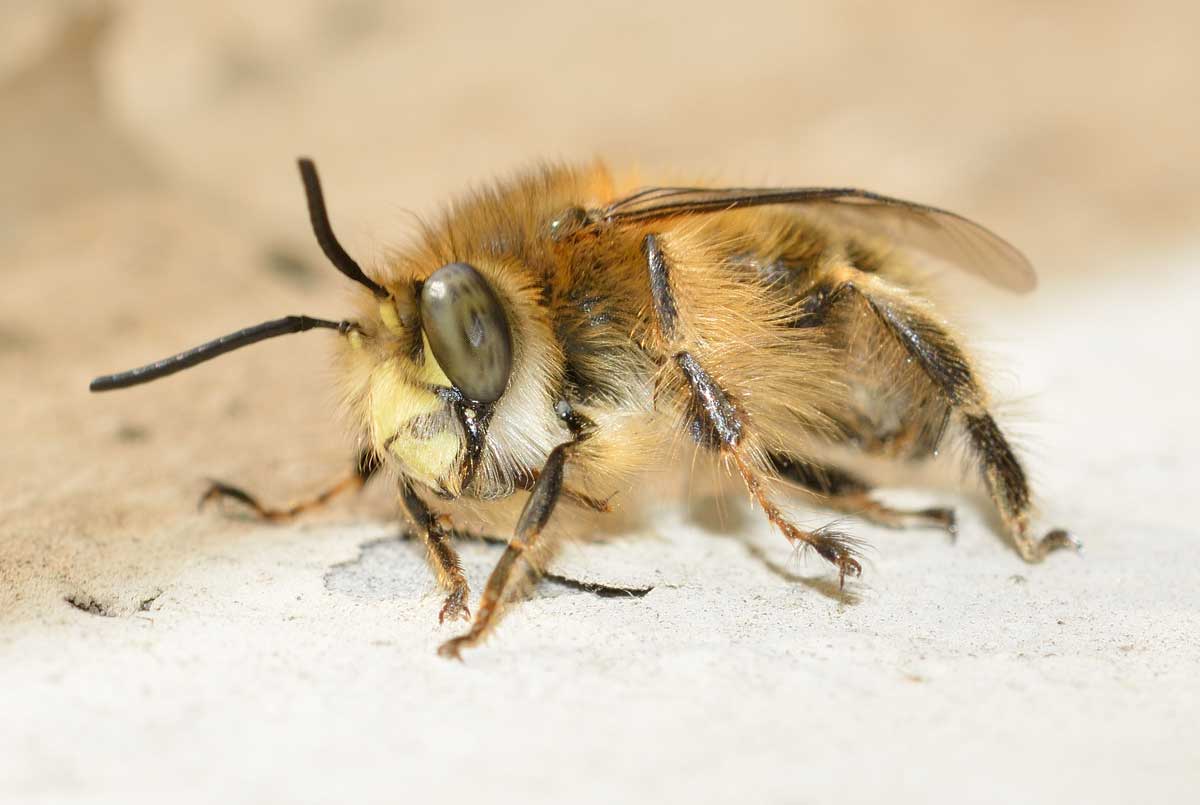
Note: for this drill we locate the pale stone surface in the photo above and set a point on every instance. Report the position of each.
(151, 204)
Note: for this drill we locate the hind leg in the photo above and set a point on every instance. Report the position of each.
(847, 492)
(926, 342)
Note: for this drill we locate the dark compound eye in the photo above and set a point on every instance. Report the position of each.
(467, 331)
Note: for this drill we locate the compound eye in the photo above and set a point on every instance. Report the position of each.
(467, 331)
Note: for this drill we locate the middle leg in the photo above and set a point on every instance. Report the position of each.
(719, 421)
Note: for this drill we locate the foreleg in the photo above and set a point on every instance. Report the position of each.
(442, 556)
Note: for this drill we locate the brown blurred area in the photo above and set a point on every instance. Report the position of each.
(149, 197)
(1071, 128)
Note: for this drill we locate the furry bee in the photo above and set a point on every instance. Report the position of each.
(567, 335)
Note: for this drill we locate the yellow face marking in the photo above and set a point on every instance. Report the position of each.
(355, 337)
(391, 319)
(431, 370)
(427, 459)
(395, 402)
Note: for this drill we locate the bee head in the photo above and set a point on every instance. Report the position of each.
(429, 361)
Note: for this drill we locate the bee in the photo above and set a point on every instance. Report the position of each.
(565, 335)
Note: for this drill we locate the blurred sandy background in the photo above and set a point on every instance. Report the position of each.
(148, 200)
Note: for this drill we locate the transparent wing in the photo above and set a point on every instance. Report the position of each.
(936, 233)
